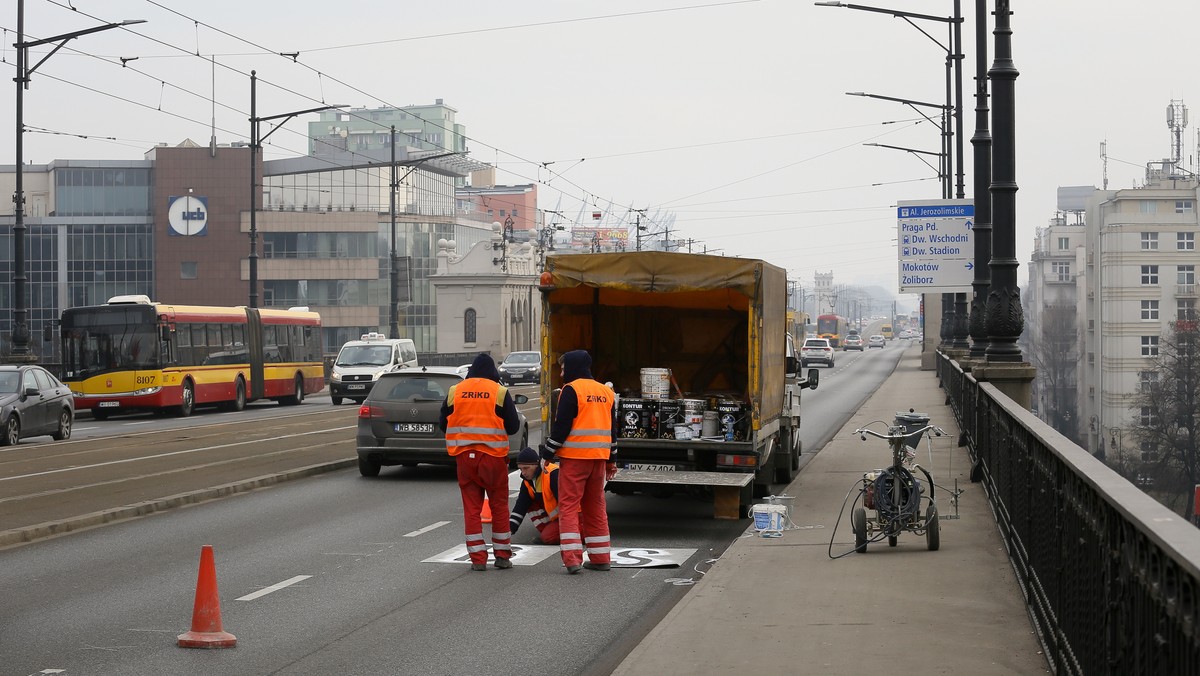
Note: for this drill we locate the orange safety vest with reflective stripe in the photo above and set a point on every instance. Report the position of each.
(549, 501)
(474, 424)
(591, 432)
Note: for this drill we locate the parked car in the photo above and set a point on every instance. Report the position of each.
(398, 421)
(876, 341)
(34, 403)
(521, 367)
(462, 370)
(852, 342)
(816, 350)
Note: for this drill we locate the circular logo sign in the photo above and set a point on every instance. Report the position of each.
(187, 215)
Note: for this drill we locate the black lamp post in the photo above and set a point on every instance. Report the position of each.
(255, 196)
(982, 142)
(20, 334)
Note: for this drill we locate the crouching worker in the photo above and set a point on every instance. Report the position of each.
(537, 499)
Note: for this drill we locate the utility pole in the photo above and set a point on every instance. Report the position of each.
(393, 268)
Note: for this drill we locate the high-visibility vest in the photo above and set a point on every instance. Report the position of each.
(549, 501)
(474, 424)
(591, 432)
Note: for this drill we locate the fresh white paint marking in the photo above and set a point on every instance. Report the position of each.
(273, 588)
(426, 529)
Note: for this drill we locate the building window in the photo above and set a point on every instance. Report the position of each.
(1185, 309)
(1149, 241)
(1064, 243)
(469, 326)
(1183, 207)
(1149, 275)
(1186, 274)
(1061, 270)
(1185, 241)
(187, 270)
(1149, 451)
(1147, 380)
(514, 213)
(1148, 207)
(1149, 346)
(1147, 417)
(1149, 310)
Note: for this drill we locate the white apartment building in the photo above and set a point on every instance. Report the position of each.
(1139, 275)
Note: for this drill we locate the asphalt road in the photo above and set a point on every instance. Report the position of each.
(364, 596)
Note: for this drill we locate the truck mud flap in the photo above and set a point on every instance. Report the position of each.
(727, 486)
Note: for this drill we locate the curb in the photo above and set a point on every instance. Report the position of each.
(49, 529)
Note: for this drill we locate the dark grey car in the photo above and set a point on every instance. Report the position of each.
(33, 403)
(398, 421)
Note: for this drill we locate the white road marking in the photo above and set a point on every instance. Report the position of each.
(273, 588)
(426, 529)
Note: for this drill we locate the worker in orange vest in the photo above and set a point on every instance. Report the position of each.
(582, 440)
(537, 499)
(478, 416)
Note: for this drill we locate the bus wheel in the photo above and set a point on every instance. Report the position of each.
(187, 404)
(239, 399)
(298, 396)
(99, 414)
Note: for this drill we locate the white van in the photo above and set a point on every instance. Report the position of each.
(360, 362)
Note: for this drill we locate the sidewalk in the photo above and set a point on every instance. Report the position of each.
(782, 606)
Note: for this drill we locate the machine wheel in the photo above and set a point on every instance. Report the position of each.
(64, 426)
(187, 400)
(239, 397)
(858, 521)
(933, 535)
(12, 432)
(892, 540)
(798, 450)
(785, 461)
(297, 396)
(368, 467)
(335, 400)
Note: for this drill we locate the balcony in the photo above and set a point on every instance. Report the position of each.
(1185, 290)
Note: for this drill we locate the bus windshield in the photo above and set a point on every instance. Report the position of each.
(102, 339)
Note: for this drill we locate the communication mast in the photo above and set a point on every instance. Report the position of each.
(1177, 121)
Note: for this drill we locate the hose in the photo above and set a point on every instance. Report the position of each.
(910, 495)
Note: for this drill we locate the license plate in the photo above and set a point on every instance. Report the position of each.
(109, 404)
(652, 468)
(414, 427)
(356, 387)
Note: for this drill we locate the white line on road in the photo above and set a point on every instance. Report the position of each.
(426, 529)
(273, 588)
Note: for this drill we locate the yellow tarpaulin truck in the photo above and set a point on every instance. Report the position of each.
(716, 327)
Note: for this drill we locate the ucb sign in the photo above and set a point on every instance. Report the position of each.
(187, 216)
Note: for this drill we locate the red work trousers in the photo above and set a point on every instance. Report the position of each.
(548, 533)
(582, 513)
(480, 473)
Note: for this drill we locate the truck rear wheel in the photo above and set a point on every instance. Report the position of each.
(785, 458)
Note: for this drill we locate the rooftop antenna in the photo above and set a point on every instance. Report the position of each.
(1176, 121)
(212, 139)
(1104, 163)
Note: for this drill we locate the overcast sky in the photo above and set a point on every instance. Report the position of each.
(730, 115)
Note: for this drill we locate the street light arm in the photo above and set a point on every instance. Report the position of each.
(900, 14)
(288, 116)
(939, 106)
(62, 40)
(926, 34)
(916, 153)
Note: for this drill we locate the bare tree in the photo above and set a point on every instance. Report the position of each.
(1055, 353)
(1165, 414)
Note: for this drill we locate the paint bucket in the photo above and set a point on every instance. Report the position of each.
(669, 415)
(683, 432)
(708, 428)
(656, 383)
(693, 415)
(637, 418)
(733, 420)
(769, 520)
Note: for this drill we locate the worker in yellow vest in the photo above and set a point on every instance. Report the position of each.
(582, 441)
(478, 416)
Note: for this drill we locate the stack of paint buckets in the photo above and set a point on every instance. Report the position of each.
(654, 415)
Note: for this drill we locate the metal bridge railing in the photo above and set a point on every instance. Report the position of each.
(1110, 577)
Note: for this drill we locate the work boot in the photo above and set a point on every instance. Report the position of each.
(571, 570)
(478, 566)
(503, 564)
(597, 566)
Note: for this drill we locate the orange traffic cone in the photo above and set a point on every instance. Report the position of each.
(486, 514)
(206, 613)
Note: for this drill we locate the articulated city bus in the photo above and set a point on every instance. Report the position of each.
(832, 327)
(136, 354)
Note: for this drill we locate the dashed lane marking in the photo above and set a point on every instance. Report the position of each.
(273, 588)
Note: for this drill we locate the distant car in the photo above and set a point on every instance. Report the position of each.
(906, 334)
(34, 403)
(816, 350)
(521, 367)
(876, 341)
(398, 421)
(852, 342)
